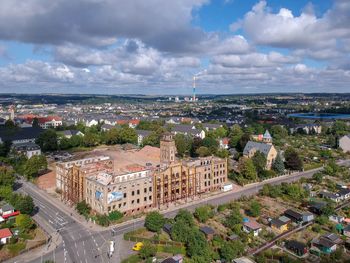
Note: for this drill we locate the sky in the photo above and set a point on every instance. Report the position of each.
(157, 46)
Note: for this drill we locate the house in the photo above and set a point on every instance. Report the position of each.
(21, 135)
(331, 196)
(344, 143)
(28, 149)
(267, 149)
(344, 193)
(107, 127)
(69, 133)
(294, 216)
(280, 224)
(307, 128)
(207, 231)
(243, 260)
(224, 143)
(49, 122)
(308, 217)
(211, 126)
(233, 237)
(346, 231)
(336, 218)
(5, 235)
(297, 247)
(174, 259)
(317, 207)
(326, 243)
(6, 210)
(252, 227)
(188, 130)
(141, 135)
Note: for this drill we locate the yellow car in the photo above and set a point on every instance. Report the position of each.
(137, 246)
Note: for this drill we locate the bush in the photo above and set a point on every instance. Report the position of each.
(83, 208)
(102, 220)
(115, 215)
(154, 221)
(147, 250)
(203, 213)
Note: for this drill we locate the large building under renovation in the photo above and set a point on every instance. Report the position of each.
(140, 188)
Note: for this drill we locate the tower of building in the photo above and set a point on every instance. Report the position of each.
(167, 149)
(267, 138)
(12, 112)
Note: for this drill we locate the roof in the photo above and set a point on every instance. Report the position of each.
(325, 242)
(295, 244)
(258, 146)
(7, 207)
(49, 118)
(243, 260)
(344, 191)
(26, 146)
(71, 132)
(20, 134)
(329, 195)
(293, 214)
(143, 132)
(5, 233)
(278, 223)
(252, 225)
(267, 135)
(207, 230)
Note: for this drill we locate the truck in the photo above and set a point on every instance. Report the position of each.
(227, 187)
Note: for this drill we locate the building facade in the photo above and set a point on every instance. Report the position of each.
(129, 192)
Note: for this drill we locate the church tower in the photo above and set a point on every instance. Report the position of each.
(167, 149)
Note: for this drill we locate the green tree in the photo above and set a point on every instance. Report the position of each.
(5, 192)
(293, 160)
(35, 123)
(127, 135)
(76, 141)
(115, 215)
(203, 151)
(185, 217)
(7, 177)
(179, 231)
(278, 132)
(183, 144)
(247, 169)
(231, 250)
(235, 135)
(90, 139)
(34, 165)
(197, 245)
(102, 220)
(254, 208)
(211, 143)
(48, 140)
(223, 153)
(278, 165)
(234, 219)
(64, 143)
(112, 136)
(22, 203)
(147, 250)
(317, 177)
(203, 213)
(259, 161)
(5, 148)
(24, 222)
(83, 208)
(154, 221)
(242, 142)
(9, 124)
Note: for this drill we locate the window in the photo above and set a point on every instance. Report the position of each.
(124, 204)
(145, 199)
(138, 191)
(138, 201)
(132, 201)
(145, 190)
(150, 188)
(150, 197)
(133, 193)
(124, 195)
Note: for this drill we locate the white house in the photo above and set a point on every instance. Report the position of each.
(252, 227)
(29, 149)
(5, 235)
(344, 143)
(6, 210)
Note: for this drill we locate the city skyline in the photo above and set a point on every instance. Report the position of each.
(114, 47)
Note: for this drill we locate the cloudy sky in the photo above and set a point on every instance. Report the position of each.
(156, 46)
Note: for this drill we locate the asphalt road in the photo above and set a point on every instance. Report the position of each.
(82, 245)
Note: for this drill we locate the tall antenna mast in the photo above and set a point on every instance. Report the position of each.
(194, 89)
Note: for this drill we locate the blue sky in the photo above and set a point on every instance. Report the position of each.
(155, 47)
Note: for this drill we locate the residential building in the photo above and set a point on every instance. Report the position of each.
(267, 149)
(5, 236)
(22, 135)
(188, 130)
(307, 128)
(6, 210)
(207, 231)
(141, 135)
(224, 143)
(346, 231)
(28, 149)
(280, 224)
(331, 196)
(326, 243)
(252, 227)
(49, 122)
(107, 127)
(296, 247)
(69, 133)
(344, 143)
(129, 191)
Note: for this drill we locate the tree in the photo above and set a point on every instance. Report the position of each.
(242, 142)
(197, 245)
(259, 161)
(90, 139)
(293, 160)
(317, 177)
(24, 222)
(185, 217)
(179, 231)
(112, 136)
(183, 144)
(278, 165)
(278, 132)
(154, 221)
(34, 165)
(203, 151)
(76, 140)
(235, 135)
(7, 177)
(83, 208)
(5, 192)
(35, 123)
(153, 139)
(9, 124)
(22, 203)
(223, 153)
(115, 215)
(147, 250)
(64, 143)
(234, 218)
(211, 143)
(48, 140)
(254, 208)
(247, 169)
(5, 148)
(231, 250)
(127, 135)
(203, 213)
(102, 220)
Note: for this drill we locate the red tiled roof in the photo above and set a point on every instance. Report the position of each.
(252, 225)
(134, 122)
(5, 233)
(225, 140)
